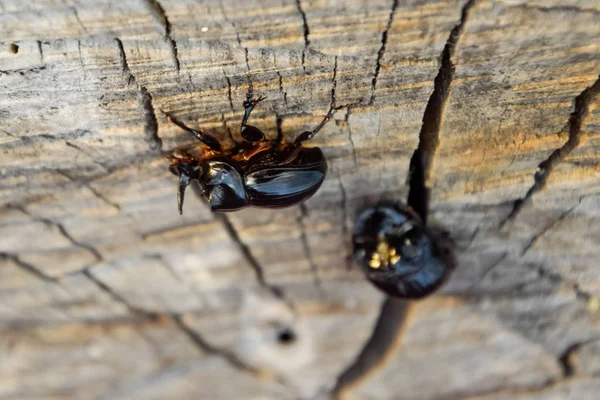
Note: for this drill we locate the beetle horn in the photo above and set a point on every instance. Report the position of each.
(184, 181)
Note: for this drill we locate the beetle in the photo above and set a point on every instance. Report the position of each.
(258, 172)
(398, 254)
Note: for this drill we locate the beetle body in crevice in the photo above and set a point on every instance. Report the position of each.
(398, 254)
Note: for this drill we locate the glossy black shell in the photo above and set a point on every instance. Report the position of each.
(398, 254)
(266, 180)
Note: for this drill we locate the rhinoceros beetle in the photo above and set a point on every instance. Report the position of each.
(258, 172)
(398, 254)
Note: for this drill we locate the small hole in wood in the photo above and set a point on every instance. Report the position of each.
(286, 336)
(13, 48)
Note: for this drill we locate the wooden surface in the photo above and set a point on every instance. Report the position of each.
(106, 292)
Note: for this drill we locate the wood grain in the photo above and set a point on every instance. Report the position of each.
(106, 292)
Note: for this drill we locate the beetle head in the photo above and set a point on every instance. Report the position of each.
(398, 254)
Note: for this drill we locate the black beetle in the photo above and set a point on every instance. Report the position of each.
(258, 172)
(398, 254)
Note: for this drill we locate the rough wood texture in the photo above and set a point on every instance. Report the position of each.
(106, 292)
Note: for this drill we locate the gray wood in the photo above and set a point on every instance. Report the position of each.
(107, 292)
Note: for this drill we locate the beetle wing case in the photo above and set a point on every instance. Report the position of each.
(285, 185)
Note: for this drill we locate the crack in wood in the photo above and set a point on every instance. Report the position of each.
(281, 91)
(29, 268)
(40, 50)
(350, 138)
(103, 287)
(248, 256)
(550, 226)
(550, 9)
(234, 361)
(489, 269)
(144, 99)
(565, 361)
(334, 80)
(228, 129)
(345, 225)
(385, 339)
(576, 120)
(149, 119)
(85, 184)
(421, 163)
(305, 245)
(76, 15)
(63, 231)
(381, 52)
(158, 13)
(306, 32)
(175, 274)
(229, 91)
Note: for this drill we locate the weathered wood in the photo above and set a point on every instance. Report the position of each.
(106, 292)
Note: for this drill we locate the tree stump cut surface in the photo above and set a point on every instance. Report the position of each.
(107, 292)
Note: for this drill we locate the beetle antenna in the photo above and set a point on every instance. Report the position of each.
(184, 181)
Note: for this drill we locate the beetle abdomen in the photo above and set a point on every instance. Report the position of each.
(284, 186)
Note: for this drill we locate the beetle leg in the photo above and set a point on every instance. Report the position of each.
(201, 135)
(249, 132)
(310, 134)
(184, 181)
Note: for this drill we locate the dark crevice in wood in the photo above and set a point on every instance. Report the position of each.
(582, 294)
(40, 50)
(227, 128)
(95, 192)
(175, 274)
(545, 168)
(304, 23)
(382, 343)
(350, 138)
(345, 227)
(305, 245)
(28, 267)
(556, 278)
(74, 146)
(381, 52)
(208, 348)
(278, 124)
(281, 91)
(566, 364)
(63, 231)
(247, 61)
(229, 91)
(550, 226)
(22, 71)
(117, 297)
(248, 256)
(306, 31)
(76, 14)
(334, 80)
(158, 13)
(429, 137)
(149, 119)
(123, 61)
(558, 9)
(80, 56)
(489, 269)
(144, 99)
